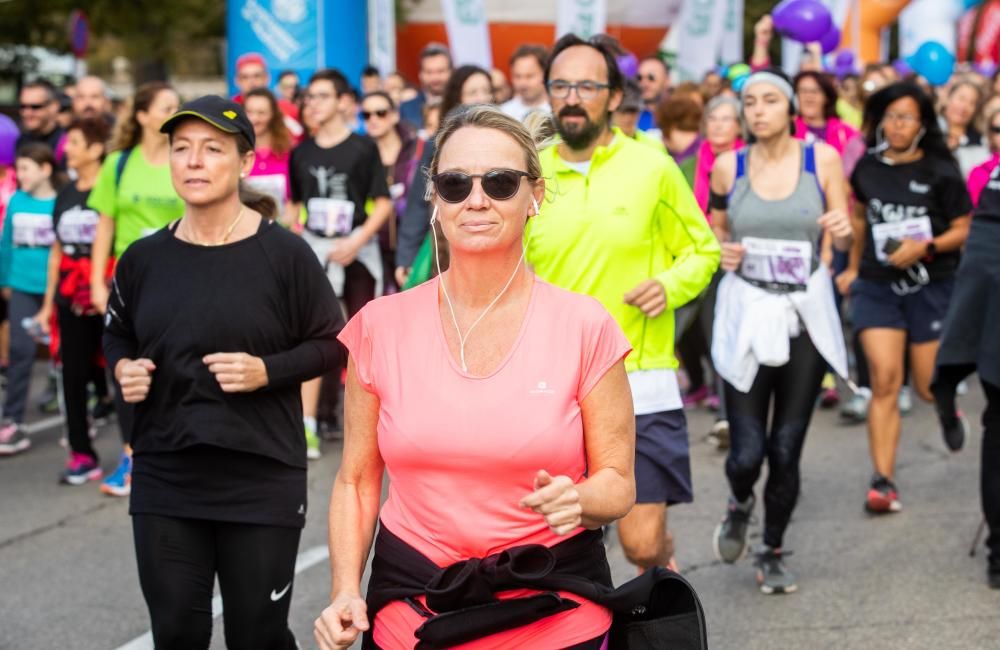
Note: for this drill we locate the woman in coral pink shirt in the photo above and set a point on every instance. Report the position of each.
(500, 407)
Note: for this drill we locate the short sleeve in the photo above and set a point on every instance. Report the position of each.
(294, 188)
(104, 195)
(357, 339)
(955, 201)
(856, 181)
(604, 345)
(379, 188)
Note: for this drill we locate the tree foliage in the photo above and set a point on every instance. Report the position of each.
(153, 33)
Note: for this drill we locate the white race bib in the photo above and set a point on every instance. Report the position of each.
(78, 226)
(33, 230)
(654, 391)
(330, 217)
(917, 229)
(777, 260)
(274, 185)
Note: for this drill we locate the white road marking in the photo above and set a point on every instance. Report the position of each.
(42, 425)
(305, 560)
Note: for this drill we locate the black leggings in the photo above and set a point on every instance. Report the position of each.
(945, 384)
(793, 388)
(79, 345)
(178, 560)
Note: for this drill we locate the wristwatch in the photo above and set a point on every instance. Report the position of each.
(931, 250)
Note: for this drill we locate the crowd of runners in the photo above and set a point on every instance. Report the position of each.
(539, 277)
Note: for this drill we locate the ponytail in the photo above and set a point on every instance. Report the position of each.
(258, 201)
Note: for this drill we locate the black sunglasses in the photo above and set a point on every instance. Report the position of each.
(367, 115)
(995, 129)
(33, 107)
(499, 184)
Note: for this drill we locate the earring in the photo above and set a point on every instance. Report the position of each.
(534, 204)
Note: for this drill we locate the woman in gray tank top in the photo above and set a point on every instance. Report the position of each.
(776, 327)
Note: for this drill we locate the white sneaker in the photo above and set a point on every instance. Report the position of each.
(905, 400)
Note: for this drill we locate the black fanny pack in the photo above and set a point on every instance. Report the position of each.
(659, 609)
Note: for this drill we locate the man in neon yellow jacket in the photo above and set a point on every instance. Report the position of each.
(622, 226)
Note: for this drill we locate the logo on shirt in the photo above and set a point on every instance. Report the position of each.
(919, 188)
(302, 508)
(329, 183)
(879, 212)
(542, 389)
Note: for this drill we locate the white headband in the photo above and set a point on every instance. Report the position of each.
(768, 77)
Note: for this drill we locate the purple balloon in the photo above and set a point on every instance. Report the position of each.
(629, 65)
(8, 140)
(901, 67)
(985, 69)
(830, 40)
(843, 64)
(805, 21)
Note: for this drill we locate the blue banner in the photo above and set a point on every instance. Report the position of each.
(299, 35)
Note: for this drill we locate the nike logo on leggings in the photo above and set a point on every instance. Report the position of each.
(278, 595)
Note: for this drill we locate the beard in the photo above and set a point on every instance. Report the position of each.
(579, 136)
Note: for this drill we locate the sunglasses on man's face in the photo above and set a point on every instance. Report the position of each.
(367, 115)
(32, 107)
(499, 184)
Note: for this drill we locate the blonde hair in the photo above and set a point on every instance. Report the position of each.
(485, 116)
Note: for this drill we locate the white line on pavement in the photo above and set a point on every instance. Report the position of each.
(42, 425)
(305, 560)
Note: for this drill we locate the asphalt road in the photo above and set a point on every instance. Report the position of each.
(68, 577)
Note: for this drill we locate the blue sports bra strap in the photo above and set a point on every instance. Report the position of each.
(809, 158)
(741, 162)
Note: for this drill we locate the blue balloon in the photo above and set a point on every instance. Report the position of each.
(933, 62)
(969, 4)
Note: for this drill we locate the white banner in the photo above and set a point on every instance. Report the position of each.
(581, 17)
(701, 28)
(731, 48)
(382, 35)
(468, 32)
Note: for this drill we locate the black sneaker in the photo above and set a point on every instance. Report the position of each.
(772, 575)
(954, 429)
(730, 538)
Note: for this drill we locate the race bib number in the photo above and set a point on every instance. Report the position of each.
(330, 217)
(273, 185)
(917, 229)
(777, 261)
(33, 230)
(77, 226)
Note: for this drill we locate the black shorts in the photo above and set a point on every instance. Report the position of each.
(662, 458)
(921, 314)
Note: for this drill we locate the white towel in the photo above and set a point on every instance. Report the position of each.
(753, 327)
(370, 255)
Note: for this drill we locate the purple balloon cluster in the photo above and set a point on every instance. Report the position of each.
(806, 21)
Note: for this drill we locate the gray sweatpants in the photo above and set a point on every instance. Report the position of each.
(22, 354)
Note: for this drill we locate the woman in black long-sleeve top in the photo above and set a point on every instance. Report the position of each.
(212, 325)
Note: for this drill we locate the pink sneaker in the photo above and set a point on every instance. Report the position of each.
(695, 397)
(80, 468)
(13, 440)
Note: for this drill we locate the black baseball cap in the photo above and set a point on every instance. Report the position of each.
(223, 114)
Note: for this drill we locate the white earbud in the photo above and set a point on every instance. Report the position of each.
(434, 215)
(534, 204)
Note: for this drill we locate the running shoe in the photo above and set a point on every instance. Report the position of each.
(13, 440)
(119, 484)
(695, 397)
(718, 437)
(312, 445)
(954, 429)
(730, 539)
(80, 468)
(855, 409)
(713, 403)
(773, 576)
(829, 397)
(883, 497)
(962, 388)
(905, 400)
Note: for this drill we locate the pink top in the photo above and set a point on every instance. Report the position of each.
(270, 174)
(703, 174)
(461, 451)
(979, 176)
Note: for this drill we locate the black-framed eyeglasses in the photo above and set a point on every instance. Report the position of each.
(995, 129)
(367, 115)
(499, 184)
(585, 90)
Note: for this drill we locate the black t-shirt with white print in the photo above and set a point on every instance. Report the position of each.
(916, 200)
(335, 183)
(75, 224)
